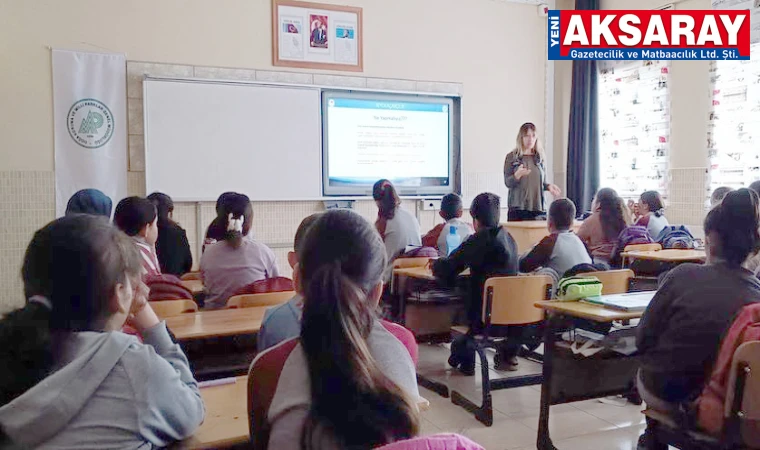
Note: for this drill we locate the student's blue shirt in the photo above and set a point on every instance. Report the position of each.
(280, 323)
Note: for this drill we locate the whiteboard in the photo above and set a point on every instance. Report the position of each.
(203, 138)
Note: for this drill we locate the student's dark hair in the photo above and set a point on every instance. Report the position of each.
(341, 261)
(451, 206)
(653, 200)
(384, 193)
(735, 221)
(164, 206)
(611, 214)
(755, 186)
(74, 263)
(221, 203)
(237, 206)
(133, 213)
(562, 213)
(303, 228)
(486, 209)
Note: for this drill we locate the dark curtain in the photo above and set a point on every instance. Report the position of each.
(583, 136)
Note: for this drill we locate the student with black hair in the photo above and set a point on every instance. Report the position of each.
(451, 212)
(397, 227)
(562, 249)
(652, 212)
(217, 230)
(345, 382)
(680, 332)
(172, 246)
(138, 218)
(235, 262)
(70, 378)
(490, 252)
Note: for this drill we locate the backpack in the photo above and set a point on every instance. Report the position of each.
(634, 234)
(166, 287)
(576, 288)
(673, 236)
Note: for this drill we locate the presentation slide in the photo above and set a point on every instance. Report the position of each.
(406, 142)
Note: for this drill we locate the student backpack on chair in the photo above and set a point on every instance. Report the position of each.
(676, 237)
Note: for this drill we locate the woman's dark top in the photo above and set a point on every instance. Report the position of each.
(173, 249)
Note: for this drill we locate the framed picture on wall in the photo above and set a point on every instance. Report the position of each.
(317, 36)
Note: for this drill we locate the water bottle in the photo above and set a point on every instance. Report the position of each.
(452, 240)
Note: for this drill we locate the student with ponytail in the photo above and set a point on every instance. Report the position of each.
(652, 212)
(680, 333)
(397, 227)
(70, 379)
(235, 261)
(346, 382)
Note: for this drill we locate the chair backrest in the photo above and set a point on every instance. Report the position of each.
(435, 442)
(191, 276)
(510, 300)
(169, 308)
(276, 284)
(745, 381)
(653, 247)
(405, 263)
(267, 299)
(613, 281)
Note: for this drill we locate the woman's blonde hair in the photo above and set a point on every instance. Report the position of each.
(524, 128)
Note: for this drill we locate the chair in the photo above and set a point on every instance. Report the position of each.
(652, 247)
(614, 281)
(506, 301)
(191, 276)
(169, 308)
(741, 409)
(252, 300)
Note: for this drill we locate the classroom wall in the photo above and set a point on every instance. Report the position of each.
(494, 48)
(690, 108)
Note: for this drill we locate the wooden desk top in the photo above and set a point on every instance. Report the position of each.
(536, 224)
(194, 286)
(215, 323)
(422, 273)
(226, 421)
(668, 255)
(588, 311)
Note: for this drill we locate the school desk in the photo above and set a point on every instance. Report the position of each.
(194, 286)
(529, 233)
(216, 323)
(226, 421)
(668, 255)
(571, 378)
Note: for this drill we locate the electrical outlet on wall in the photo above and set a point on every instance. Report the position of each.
(431, 204)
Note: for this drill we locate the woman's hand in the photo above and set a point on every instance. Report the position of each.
(554, 190)
(142, 316)
(521, 171)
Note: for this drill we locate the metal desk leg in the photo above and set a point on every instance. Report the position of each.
(544, 441)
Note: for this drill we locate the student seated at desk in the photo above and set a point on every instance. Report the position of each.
(234, 262)
(489, 252)
(90, 201)
(451, 212)
(70, 379)
(680, 332)
(397, 227)
(284, 321)
(172, 246)
(652, 213)
(346, 382)
(137, 217)
(217, 229)
(562, 249)
(601, 229)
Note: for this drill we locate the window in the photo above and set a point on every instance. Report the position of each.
(733, 132)
(634, 123)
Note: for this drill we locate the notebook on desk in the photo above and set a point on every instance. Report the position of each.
(632, 301)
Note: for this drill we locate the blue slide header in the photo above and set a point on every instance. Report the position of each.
(386, 105)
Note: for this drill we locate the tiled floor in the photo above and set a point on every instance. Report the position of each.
(583, 425)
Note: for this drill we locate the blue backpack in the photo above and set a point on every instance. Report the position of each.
(673, 236)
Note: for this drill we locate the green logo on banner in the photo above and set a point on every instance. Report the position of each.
(90, 123)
